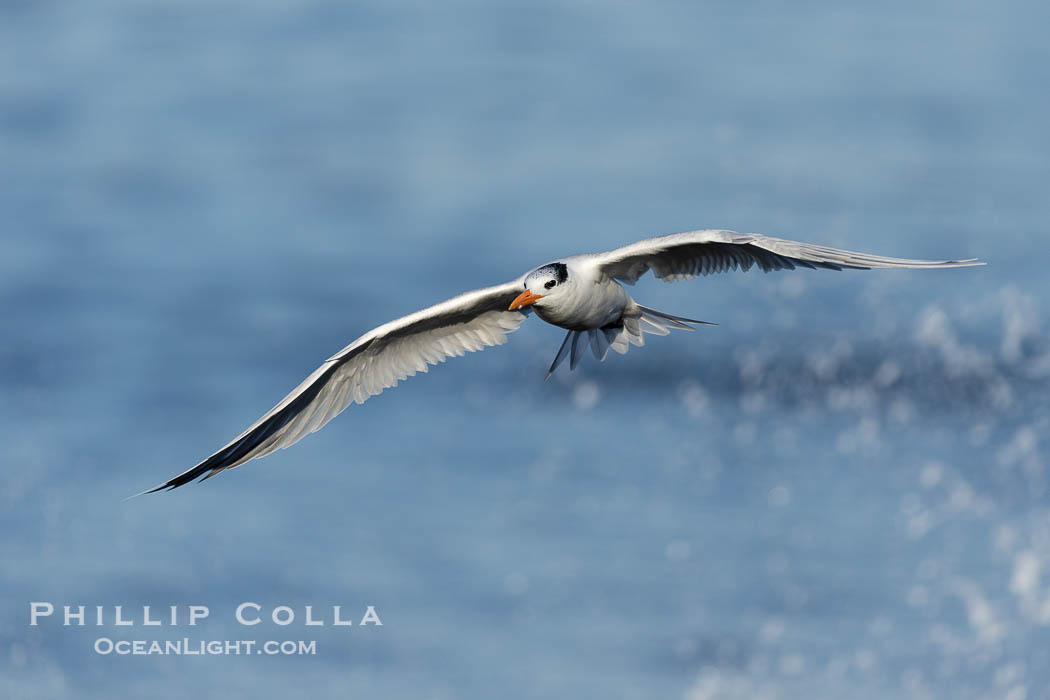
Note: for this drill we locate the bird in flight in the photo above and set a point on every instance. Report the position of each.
(583, 294)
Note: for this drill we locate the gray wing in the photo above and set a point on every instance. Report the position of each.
(376, 361)
(681, 256)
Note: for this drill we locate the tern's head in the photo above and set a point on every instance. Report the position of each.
(547, 281)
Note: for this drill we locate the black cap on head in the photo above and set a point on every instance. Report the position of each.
(559, 271)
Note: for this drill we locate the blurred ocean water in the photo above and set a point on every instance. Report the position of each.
(840, 491)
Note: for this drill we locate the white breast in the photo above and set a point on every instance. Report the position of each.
(590, 300)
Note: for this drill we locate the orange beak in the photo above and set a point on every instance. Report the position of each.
(524, 299)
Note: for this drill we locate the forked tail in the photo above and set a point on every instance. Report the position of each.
(637, 320)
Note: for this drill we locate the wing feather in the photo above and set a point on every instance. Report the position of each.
(682, 256)
(376, 361)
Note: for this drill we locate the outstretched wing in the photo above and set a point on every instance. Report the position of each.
(681, 256)
(376, 361)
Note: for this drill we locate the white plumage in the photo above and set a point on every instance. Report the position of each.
(581, 293)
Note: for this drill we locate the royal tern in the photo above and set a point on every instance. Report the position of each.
(583, 294)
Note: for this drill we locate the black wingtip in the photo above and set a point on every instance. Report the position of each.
(180, 480)
(156, 488)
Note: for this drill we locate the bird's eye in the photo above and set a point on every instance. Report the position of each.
(549, 284)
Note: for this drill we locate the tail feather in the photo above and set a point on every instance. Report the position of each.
(577, 350)
(646, 311)
(633, 328)
(615, 340)
(599, 345)
(560, 357)
(658, 327)
(637, 320)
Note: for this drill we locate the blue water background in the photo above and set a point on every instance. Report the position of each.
(838, 492)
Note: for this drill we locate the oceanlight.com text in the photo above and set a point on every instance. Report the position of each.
(190, 647)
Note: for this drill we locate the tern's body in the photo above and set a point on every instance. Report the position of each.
(591, 299)
(581, 293)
